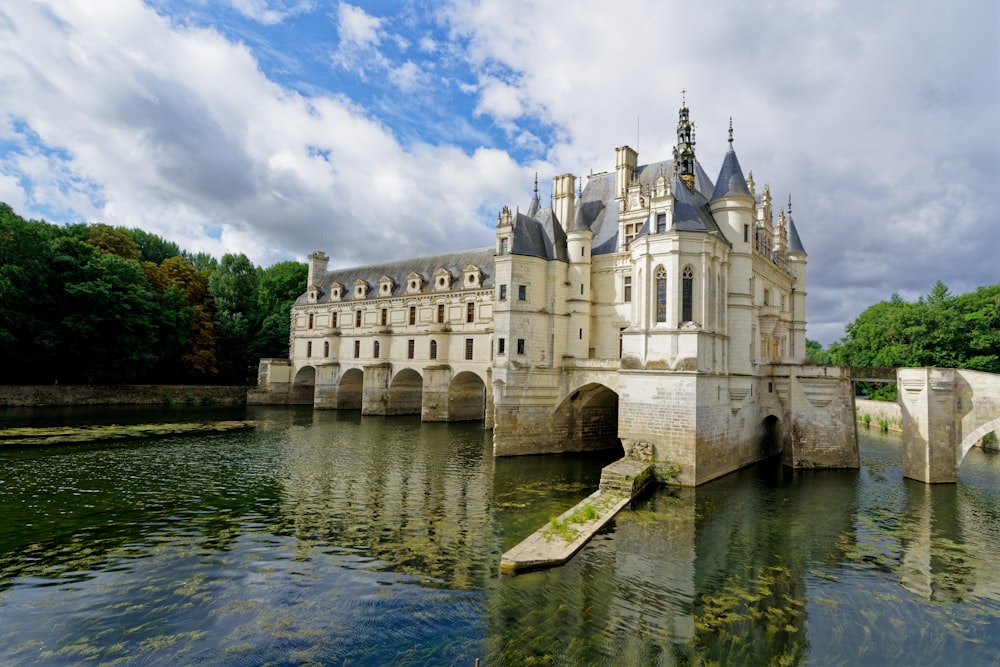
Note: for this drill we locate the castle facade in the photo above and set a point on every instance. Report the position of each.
(648, 308)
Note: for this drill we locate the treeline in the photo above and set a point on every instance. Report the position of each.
(939, 329)
(95, 304)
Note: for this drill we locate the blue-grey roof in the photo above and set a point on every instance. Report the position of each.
(454, 262)
(579, 220)
(539, 236)
(731, 181)
(691, 211)
(702, 183)
(794, 242)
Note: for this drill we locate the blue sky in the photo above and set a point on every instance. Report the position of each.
(380, 130)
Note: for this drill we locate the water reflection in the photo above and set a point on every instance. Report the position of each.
(324, 537)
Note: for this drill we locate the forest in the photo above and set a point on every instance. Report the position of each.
(95, 304)
(940, 329)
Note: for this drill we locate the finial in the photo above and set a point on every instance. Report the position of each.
(683, 100)
(536, 183)
(579, 187)
(730, 133)
(789, 205)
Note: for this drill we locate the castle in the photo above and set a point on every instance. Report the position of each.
(651, 309)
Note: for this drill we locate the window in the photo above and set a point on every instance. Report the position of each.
(628, 288)
(326, 348)
(409, 348)
(333, 319)
(440, 312)
(309, 349)
(357, 349)
(503, 292)
(522, 293)
(413, 314)
(434, 349)
(468, 348)
(470, 311)
(687, 295)
(661, 223)
(520, 346)
(661, 294)
(581, 334)
(357, 319)
(746, 233)
(310, 325)
(501, 345)
(385, 316)
(581, 289)
(503, 246)
(375, 349)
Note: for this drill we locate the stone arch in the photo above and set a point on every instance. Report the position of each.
(406, 390)
(303, 386)
(351, 389)
(466, 397)
(589, 418)
(971, 439)
(768, 437)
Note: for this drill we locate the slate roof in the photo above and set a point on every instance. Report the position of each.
(794, 242)
(540, 236)
(731, 181)
(454, 262)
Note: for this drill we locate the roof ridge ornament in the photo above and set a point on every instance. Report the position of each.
(730, 133)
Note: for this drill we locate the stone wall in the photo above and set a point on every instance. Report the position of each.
(44, 395)
(879, 412)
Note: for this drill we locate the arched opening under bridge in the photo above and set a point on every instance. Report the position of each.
(466, 398)
(303, 386)
(589, 416)
(351, 390)
(405, 393)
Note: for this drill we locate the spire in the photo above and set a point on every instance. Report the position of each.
(794, 242)
(731, 181)
(534, 205)
(684, 161)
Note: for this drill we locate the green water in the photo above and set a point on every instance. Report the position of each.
(327, 538)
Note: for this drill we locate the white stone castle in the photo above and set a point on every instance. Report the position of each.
(653, 310)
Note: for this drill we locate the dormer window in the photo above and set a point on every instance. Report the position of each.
(385, 285)
(473, 276)
(360, 288)
(336, 291)
(313, 294)
(442, 280)
(414, 283)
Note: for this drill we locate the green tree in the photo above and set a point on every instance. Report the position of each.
(816, 354)
(234, 285)
(197, 361)
(153, 248)
(112, 240)
(280, 285)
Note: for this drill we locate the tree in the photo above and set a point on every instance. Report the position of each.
(234, 286)
(112, 240)
(816, 354)
(197, 360)
(280, 286)
(153, 248)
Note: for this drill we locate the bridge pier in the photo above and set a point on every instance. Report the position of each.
(928, 401)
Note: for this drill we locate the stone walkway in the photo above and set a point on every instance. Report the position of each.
(559, 540)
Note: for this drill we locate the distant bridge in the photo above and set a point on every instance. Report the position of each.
(877, 374)
(945, 412)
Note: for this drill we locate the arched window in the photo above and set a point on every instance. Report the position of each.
(375, 350)
(326, 349)
(434, 349)
(687, 294)
(661, 294)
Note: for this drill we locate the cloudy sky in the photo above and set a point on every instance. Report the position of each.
(381, 130)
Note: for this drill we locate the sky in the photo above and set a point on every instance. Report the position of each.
(382, 130)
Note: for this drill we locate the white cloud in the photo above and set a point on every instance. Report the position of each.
(270, 13)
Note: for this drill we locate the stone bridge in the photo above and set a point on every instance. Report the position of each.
(945, 412)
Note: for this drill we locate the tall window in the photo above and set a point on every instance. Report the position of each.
(501, 345)
(661, 294)
(687, 295)
(468, 348)
(522, 293)
(503, 292)
(409, 348)
(434, 349)
(357, 349)
(334, 319)
(310, 320)
(440, 312)
(385, 316)
(357, 319)
(520, 346)
(375, 349)
(413, 314)
(628, 288)
(470, 311)
(503, 246)
(309, 349)
(661, 223)
(326, 348)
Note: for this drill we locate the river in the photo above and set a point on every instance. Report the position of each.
(330, 539)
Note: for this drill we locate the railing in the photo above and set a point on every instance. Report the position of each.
(873, 374)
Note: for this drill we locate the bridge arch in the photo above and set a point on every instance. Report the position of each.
(769, 440)
(351, 389)
(303, 385)
(589, 418)
(466, 397)
(973, 438)
(405, 393)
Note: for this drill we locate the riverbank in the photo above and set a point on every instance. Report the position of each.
(143, 394)
(63, 435)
